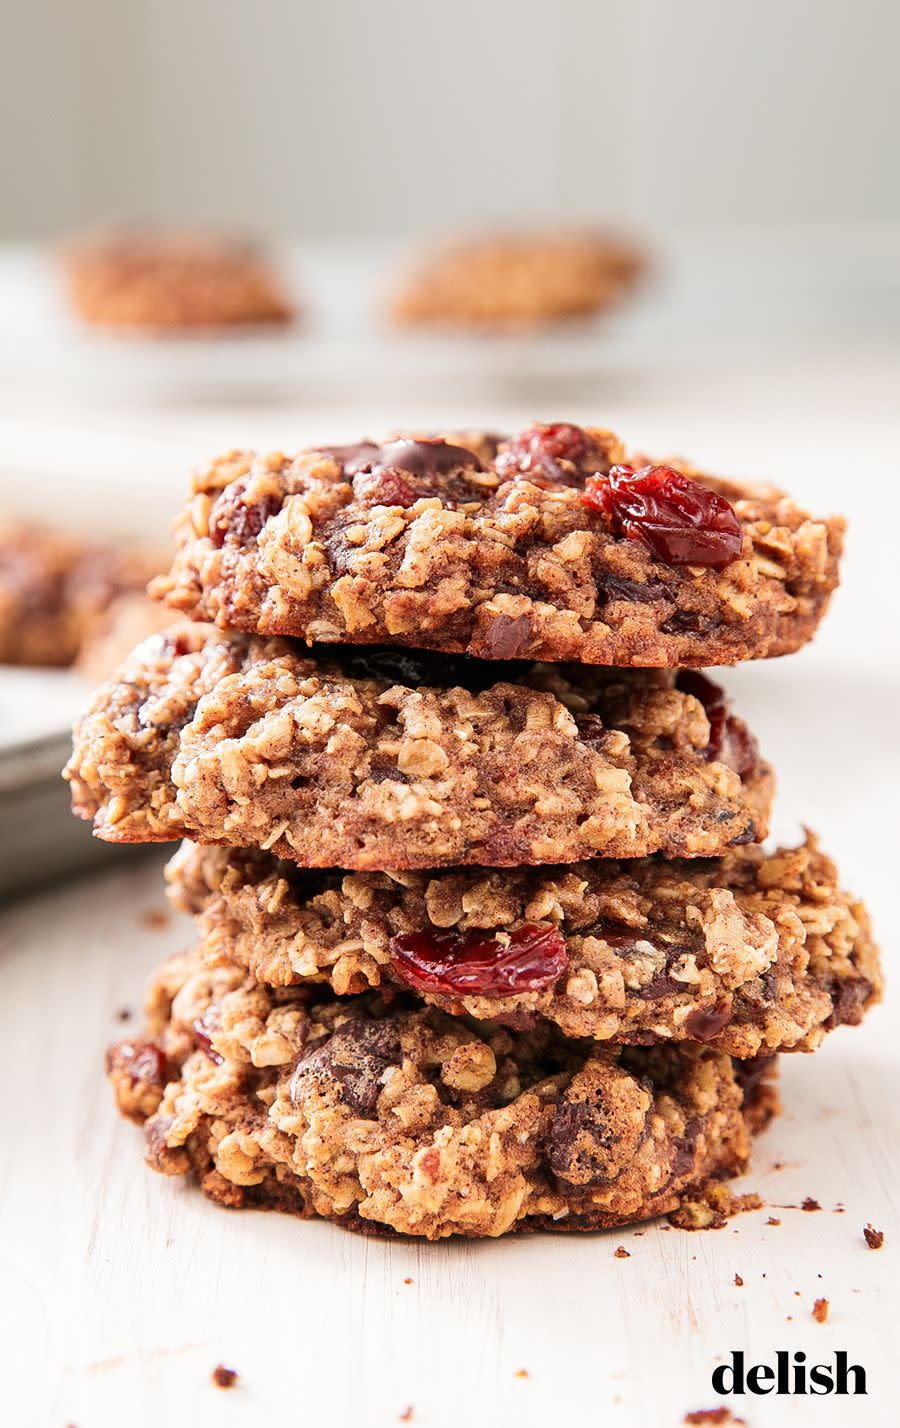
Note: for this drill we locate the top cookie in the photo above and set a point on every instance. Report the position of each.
(542, 546)
(513, 281)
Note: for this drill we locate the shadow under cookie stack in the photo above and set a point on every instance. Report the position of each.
(486, 939)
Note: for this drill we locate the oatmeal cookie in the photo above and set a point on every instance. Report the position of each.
(391, 1115)
(111, 637)
(548, 545)
(53, 588)
(384, 759)
(751, 953)
(516, 281)
(171, 282)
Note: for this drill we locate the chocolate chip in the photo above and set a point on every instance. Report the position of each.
(508, 637)
(591, 1139)
(849, 998)
(706, 1022)
(352, 459)
(429, 457)
(356, 1056)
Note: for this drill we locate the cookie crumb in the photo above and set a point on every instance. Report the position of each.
(713, 1208)
(224, 1377)
(873, 1238)
(155, 919)
(773, 1221)
(809, 1204)
(713, 1415)
(622, 1253)
(521, 1373)
(407, 1280)
(407, 1415)
(738, 1281)
(123, 1014)
(820, 1311)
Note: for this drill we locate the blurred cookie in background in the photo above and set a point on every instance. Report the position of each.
(524, 280)
(54, 586)
(169, 282)
(115, 631)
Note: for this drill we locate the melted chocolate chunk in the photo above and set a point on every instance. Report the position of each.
(353, 458)
(706, 1022)
(356, 1056)
(427, 457)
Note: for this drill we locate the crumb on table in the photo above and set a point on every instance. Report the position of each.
(224, 1377)
(820, 1311)
(873, 1238)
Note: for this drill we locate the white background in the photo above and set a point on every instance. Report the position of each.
(353, 118)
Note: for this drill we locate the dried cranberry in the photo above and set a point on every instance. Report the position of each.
(730, 741)
(559, 452)
(476, 964)
(202, 1037)
(680, 522)
(382, 486)
(233, 516)
(144, 1062)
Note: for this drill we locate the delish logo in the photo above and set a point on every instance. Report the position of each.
(791, 1375)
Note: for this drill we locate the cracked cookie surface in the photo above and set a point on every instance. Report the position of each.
(751, 953)
(399, 1117)
(363, 759)
(503, 548)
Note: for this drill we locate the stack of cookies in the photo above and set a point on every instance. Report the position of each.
(485, 937)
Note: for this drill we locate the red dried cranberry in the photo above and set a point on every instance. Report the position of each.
(477, 965)
(730, 741)
(382, 486)
(145, 1062)
(233, 516)
(559, 452)
(204, 1041)
(680, 522)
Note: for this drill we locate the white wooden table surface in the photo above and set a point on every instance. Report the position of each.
(121, 1290)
